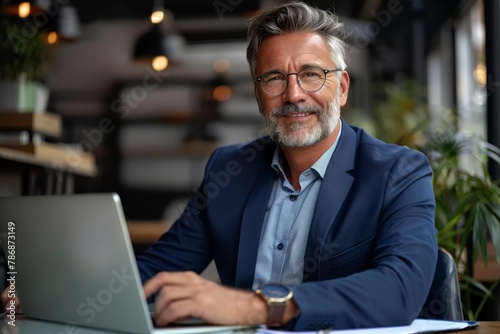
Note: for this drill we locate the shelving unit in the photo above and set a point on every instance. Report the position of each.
(42, 166)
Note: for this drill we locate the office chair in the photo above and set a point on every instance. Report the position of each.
(443, 301)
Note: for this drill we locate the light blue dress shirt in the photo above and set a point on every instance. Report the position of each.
(280, 258)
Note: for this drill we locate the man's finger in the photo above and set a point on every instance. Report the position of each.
(179, 310)
(171, 294)
(166, 278)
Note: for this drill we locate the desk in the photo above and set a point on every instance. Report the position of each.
(28, 326)
(485, 327)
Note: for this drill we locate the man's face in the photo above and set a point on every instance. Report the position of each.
(298, 118)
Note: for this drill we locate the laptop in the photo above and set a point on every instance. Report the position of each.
(74, 263)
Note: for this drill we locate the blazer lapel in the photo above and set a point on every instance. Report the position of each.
(251, 226)
(334, 189)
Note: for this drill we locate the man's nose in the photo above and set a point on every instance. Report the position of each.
(293, 92)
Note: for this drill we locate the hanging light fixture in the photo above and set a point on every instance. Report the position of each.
(59, 21)
(64, 25)
(160, 45)
(23, 9)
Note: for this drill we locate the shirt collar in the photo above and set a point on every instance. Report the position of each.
(319, 166)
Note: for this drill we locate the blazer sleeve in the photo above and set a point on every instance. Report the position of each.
(392, 289)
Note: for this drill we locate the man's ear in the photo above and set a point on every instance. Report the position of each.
(344, 88)
(257, 96)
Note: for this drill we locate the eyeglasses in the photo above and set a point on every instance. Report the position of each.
(310, 79)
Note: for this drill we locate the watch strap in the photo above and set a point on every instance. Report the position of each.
(276, 313)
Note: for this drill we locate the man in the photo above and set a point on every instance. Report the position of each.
(342, 220)
(318, 225)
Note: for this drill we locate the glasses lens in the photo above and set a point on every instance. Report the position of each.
(311, 79)
(273, 83)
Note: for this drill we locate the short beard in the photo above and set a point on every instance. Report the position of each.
(288, 136)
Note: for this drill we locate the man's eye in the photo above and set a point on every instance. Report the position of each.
(273, 78)
(311, 74)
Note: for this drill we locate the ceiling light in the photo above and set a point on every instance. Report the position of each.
(160, 45)
(157, 16)
(60, 21)
(64, 24)
(159, 63)
(23, 9)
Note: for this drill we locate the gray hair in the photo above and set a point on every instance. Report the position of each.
(292, 17)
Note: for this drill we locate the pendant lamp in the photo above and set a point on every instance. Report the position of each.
(160, 45)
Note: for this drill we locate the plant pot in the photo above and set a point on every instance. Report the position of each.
(23, 96)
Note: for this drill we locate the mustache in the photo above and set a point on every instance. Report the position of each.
(296, 108)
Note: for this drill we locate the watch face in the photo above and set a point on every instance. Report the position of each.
(275, 291)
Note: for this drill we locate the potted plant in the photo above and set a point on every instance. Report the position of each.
(24, 59)
(467, 208)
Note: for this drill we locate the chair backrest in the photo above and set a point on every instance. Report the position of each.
(443, 301)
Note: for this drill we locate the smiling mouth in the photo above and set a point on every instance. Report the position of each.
(302, 114)
(296, 111)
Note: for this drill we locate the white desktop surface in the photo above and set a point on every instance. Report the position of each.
(24, 325)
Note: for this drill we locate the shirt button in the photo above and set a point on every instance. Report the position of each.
(280, 246)
(293, 198)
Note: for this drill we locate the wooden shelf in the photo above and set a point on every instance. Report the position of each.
(45, 123)
(51, 155)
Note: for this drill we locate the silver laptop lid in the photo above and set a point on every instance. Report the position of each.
(74, 262)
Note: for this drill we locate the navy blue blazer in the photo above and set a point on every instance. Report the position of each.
(371, 250)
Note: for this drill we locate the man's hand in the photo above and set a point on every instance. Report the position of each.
(183, 295)
(6, 301)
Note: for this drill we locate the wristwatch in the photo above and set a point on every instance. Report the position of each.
(277, 297)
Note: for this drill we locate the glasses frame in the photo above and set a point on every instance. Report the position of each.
(326, 71)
